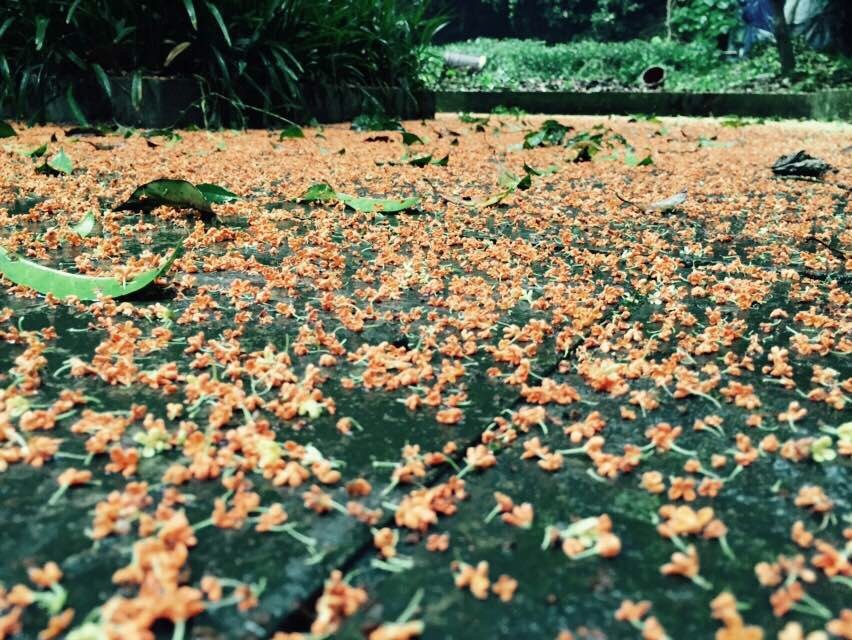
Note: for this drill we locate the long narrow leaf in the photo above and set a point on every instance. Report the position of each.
(79, 116)
(218, 18)
(190, 11)
(136, 91)
(41, 30)
(175, 52)
(103, 79)
(70, 15)
(63, 284)
(5, 25)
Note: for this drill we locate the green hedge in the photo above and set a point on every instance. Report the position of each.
(532, 65)
(246, 55)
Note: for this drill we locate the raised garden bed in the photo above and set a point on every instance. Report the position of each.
(167, 102)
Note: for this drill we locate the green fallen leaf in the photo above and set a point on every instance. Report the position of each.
(644, 117)
(6, 130)
(632, 160)
(550, 133)
(216, 194)
(510, 181)
(417, 161)
(737, 122)
(375, 122)
(85, 227)
(58, 163)
(319, 191)
(175, 193)
(291, 131)
(63, 284)
(323, 192)
(38, 152)
(490, 201)
(470, 119)
(547, 171)
(167, 133)
(409, 138)
(379, 205)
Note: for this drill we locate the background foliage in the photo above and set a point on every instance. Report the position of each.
(552, 20)
(246, 54)
(711, 22)
(589, 65)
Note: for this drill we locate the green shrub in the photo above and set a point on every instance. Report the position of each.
(245, 54)
(690, 66)
(706, 21)
(554, 20)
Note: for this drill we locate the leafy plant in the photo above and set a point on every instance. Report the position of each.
(707, 22)
(248, 58)
(533, 65)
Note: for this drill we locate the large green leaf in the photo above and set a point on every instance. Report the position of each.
(216, 194)
(175, 193)
(62, 284)
(6, 130)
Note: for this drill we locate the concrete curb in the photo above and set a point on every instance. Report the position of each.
(168, 102)
(823, 105)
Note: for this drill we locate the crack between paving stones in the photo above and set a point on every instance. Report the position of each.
(300, 618)
(707, 262)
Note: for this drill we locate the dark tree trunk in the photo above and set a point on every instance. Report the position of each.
(782, 39)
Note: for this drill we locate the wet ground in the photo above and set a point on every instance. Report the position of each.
(602, 401)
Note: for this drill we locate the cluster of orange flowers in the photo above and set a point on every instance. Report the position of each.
(477, 581)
